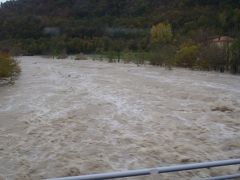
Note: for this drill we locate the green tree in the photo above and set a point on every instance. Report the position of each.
(187, 56)
(214, 56)
(235, 57)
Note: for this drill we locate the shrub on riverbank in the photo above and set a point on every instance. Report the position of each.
(186, 56)
(8, 66)
(80, 56)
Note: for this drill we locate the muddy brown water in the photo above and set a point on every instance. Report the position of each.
(65, 117)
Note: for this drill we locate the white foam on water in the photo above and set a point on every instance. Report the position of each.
(65, 117)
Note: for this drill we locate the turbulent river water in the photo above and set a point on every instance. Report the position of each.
(66, 117)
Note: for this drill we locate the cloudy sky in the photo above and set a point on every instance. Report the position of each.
(3, 0)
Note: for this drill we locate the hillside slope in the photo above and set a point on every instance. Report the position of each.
(89, 25)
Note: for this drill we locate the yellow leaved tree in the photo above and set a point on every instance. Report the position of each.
(161, 33)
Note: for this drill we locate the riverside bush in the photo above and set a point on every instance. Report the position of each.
(8, 66)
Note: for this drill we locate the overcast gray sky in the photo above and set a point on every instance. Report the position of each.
(3, 0)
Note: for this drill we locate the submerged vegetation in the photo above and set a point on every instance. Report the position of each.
(80, 56)
(8, 66)
(188, 33)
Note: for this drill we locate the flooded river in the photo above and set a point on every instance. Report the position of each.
(65, 117)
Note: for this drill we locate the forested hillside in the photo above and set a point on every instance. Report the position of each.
(74, 26)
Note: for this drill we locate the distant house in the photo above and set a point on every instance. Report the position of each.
(222, 41)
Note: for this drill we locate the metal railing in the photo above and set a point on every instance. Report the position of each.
(160, 170)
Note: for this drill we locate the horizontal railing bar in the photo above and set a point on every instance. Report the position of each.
(234, 176)
(159, 170)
